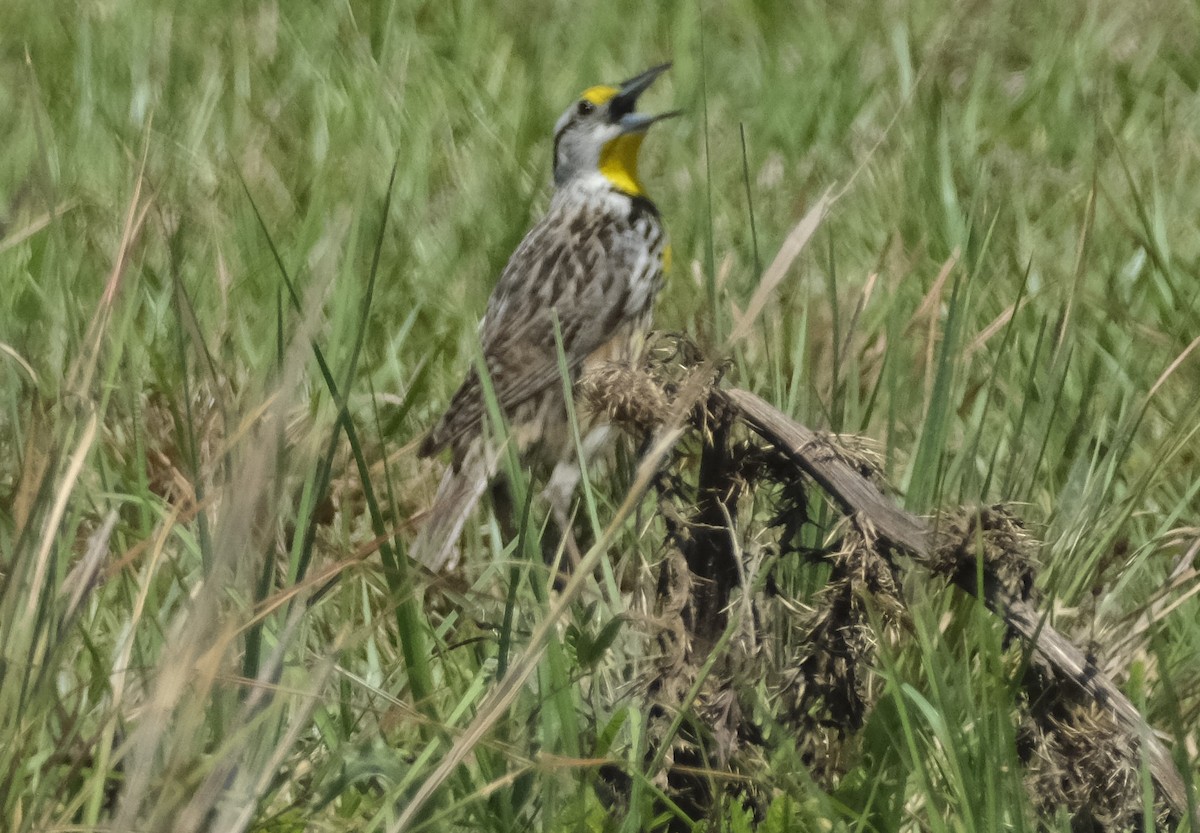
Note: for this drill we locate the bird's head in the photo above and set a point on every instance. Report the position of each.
(601, 134)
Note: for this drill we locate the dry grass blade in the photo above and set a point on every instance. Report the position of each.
(83, 576)
(1166, 374)
(25, 366)
(777, 271)
(997, 324)
(1132, 635)
(50, 529)
(21, 235)
(80, 376)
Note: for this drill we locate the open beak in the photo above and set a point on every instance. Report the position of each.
(623, 103)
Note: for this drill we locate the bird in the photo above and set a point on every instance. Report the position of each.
(592, 267)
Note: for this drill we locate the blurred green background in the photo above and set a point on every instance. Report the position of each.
(1004, 296)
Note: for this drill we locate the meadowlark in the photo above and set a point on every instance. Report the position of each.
(594, 265)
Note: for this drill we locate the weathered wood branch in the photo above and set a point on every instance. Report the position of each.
(862, 500)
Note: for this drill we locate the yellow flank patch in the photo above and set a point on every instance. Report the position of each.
(619, 163)
(666, 258)
(599, 95)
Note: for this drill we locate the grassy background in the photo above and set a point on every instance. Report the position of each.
(999, 297)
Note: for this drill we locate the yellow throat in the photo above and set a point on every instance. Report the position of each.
(619, 163)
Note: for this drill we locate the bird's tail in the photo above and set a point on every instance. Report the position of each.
(436, 545)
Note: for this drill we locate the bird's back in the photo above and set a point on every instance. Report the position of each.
(594, 264)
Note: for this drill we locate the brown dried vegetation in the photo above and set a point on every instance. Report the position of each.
(728, 639)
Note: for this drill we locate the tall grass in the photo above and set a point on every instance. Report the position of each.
(222, 327)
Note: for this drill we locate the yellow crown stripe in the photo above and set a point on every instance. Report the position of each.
(599, 95)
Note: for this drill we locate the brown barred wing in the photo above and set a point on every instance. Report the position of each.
(595, 271)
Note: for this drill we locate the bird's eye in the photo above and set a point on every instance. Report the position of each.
(586, 108)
